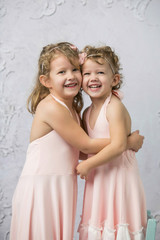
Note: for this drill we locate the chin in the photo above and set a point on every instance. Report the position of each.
(73, 94)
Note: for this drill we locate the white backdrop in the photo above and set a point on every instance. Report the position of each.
(132, 28)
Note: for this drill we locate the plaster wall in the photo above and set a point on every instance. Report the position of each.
(132, 28)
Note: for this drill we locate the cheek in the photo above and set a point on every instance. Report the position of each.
(80, 78)
(84, 83)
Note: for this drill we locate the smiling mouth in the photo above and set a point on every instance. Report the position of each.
(70, 85)
(94, 86)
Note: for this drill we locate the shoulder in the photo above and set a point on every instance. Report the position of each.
(115, 108)
(116, 102)
(50, 107)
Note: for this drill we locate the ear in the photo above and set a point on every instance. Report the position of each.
(116, 80)
(44, 80)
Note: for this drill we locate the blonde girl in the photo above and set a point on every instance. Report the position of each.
(114, 202)
(44, 202)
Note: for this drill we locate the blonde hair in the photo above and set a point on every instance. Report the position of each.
(47, 55)
(106, 53)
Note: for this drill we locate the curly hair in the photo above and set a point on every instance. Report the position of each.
(106, 53)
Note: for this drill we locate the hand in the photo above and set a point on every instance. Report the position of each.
(135, 141)
(83, 169)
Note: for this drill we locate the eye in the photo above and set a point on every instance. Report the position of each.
(75, 69)
(85, 74)
(100, 72)
(61, 72)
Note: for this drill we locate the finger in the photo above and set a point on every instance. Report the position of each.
(136, 131)
(77, 172)
(82, 177)
(141, 136)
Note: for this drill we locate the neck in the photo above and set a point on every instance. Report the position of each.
(67, 101)
(98, 102)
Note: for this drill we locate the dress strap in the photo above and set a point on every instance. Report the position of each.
(118, 94)
(61, 102)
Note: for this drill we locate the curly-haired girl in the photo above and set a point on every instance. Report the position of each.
(114, 203)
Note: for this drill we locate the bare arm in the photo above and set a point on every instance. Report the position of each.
(118, 133)
(134, 140)
(59, 118)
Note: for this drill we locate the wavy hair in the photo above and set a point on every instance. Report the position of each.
(106, 53)
(47, 55)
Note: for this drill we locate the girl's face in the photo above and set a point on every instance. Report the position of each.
(64, 78)
(98, 79)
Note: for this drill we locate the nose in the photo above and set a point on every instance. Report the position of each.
(93, 77)
(70, 75)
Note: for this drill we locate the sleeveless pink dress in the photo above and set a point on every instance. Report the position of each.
(114, 205)
(44, 202)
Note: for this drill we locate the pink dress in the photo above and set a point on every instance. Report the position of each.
(114, 205)
(44, 202)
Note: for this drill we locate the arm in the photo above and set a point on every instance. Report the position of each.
(134, 140)
(59, 118)
(118, 133)
(83, 156)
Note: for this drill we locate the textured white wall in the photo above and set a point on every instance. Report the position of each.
(132, 28)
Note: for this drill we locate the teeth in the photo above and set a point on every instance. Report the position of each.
(95, 86)
(71, 85)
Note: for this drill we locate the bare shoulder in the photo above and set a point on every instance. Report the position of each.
(49, 109)
(46, 105)
(49, 105)
(115, 102)
(116, 108)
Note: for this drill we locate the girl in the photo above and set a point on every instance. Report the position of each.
(114, 202)
(44, 202)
